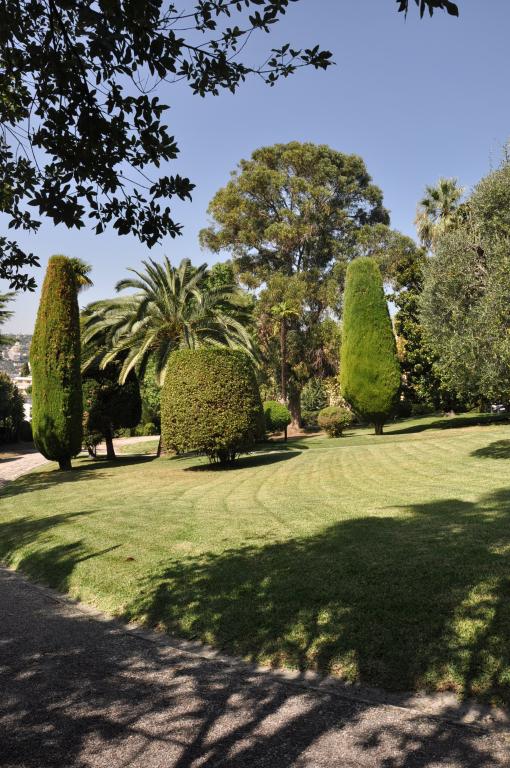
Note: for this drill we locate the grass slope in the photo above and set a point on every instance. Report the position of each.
(382, 559)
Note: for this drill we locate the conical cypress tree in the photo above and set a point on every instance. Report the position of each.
(57, 403)
(369, 369)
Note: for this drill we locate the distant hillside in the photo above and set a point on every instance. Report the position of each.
(14, 355)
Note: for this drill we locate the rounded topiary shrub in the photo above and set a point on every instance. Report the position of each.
(277, 416)
(210, 404)
(334, 420)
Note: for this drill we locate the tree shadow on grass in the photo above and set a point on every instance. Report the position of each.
(77, 691)
(256, 459)
(499, 449)
(416, 601)
(84, 470)
(52, 565)
(454, 422)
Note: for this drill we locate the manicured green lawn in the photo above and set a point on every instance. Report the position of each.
(381, 559)
(145, 448)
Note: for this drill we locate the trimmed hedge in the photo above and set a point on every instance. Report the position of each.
(369, 368)
(276, 415)
(210, 404)
(57, 404)
(334, 420)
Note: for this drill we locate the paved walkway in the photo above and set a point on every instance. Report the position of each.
(78, 691)
(20, 459)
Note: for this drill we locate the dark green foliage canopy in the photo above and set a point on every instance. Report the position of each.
(55, 362)
(109, 405)
(277, 416)
(79, 96)
(369, 368)
(211, 404)
(11, 409)
(466, 295)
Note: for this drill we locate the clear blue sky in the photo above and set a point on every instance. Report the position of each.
(417, 100)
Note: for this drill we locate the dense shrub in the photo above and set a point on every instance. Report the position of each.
(276, 416)
(309, 418)
(146, 429)
(57, 407)
(210, 403)
(25, 432)
(11, 409)
(150, 392)
(334, 420)
(369, 369)
(314, 396)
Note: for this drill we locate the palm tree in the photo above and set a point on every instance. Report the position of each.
(81, 271)
(437, 210)
(173, 307)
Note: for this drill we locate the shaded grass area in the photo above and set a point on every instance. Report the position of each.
(383, 560)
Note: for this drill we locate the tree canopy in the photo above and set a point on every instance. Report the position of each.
(173, 307)
(84, 132)
(290, 217)
(466, 294)
(430, 6)
(292, 208)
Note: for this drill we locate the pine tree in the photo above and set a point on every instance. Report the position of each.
(369, 370)
(57, 406)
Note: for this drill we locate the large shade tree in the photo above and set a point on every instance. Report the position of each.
(466, 295)
(172, 308)
(289, 216)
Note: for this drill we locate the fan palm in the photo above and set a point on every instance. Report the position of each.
(437, 210)
(173, 307)
(81, 271)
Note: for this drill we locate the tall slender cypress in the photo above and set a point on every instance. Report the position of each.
(369, 368)
(57, 403)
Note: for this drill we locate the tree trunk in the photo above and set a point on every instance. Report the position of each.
(379, 425)
(110, 450)
(295, 407)
(285, 432)
(65, 464)
(283, 353)
(158, 452)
